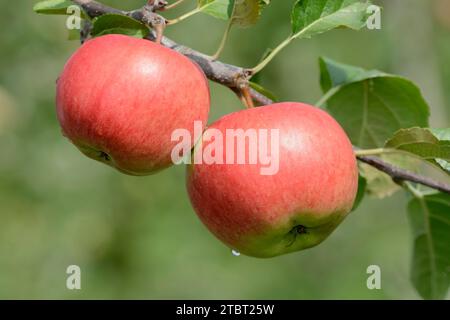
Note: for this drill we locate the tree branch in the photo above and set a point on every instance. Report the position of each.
(400, 175)
(230, 76)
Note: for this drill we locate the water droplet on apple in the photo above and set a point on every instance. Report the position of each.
(235, 253)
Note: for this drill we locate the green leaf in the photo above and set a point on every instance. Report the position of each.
(263, 91)
(371, 105)
(57, 7)
(118, 24)
(221, 9)
(442, 134)
(312, 17)
(362, 183)
(52, 6)
(430, 220)
(421, 143)
(334, 74)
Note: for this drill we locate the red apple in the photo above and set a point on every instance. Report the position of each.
(119, 99)
(295, 208)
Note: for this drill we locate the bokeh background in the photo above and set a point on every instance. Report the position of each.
(138, 238)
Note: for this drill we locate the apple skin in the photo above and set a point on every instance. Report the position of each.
(119, 99)
(297, 208)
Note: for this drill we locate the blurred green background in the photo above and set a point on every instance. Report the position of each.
(139, 237)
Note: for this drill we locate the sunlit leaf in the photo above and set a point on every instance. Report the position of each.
(312, 17)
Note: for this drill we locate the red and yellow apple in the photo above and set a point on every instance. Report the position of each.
(295, 208)
(119, 99)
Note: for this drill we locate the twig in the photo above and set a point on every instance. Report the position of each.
(231, 76)
(184, 16)
(223, 42)
(174, 5)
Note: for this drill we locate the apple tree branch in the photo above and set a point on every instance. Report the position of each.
(231, 76)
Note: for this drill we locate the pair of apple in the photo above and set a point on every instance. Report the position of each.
(119, 99)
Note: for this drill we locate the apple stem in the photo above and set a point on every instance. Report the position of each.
(241, 97)
(85, 31)
(244, 90)
(247, 97)
(159, 27)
